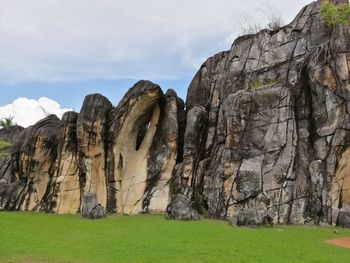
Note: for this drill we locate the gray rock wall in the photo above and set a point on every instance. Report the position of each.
(277, 124)
(265, 132)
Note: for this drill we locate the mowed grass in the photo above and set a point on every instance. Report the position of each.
(36, 237)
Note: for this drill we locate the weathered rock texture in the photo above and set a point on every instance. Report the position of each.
(90, 208)
(7, 136)
(265, 131)
(67, 177)
(119, 158)
(281, 146)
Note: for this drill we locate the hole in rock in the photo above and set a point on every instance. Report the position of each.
(141, 135)
(120, 164)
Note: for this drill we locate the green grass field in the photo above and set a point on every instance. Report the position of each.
(36, 237)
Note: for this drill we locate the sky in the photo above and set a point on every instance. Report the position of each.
(55, 52)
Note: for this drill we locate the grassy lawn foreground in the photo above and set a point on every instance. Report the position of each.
(36, 237)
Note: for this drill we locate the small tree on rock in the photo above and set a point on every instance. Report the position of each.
(335, 15)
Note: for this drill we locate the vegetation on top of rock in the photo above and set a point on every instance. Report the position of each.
(252, 85)
(3, 145)
(7, 122)
(335, 15)
(249, 25)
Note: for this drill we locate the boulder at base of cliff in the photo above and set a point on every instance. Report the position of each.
(252, 217)
(344, 216)
(90, 208)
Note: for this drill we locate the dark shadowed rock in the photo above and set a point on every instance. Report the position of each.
(264, 138)
(162, 155)
(33, 157)
(90, 208)
(8, 136)
(10, 133)
(277, 124)
(252, 217)
(344, 217)
(9, 188)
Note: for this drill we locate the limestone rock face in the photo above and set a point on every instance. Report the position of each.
(264, 136)
(124, 155)
(67, 184)
(33, 156)
(91, 138)
(133, 124)
(162, 156)
(277, 126)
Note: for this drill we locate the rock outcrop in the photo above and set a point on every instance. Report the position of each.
(90, 208)
(132, 128)
(277, 124)
(264, 134)
(67, 185)
(8, 136)
(122, 158)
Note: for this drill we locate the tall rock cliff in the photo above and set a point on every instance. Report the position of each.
(271, 125)
(266, 128)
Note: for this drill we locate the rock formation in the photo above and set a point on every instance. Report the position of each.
(277, 125)
(266, 128)
(90, 208)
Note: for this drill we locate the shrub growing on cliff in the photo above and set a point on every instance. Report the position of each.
(335, 15)
(251, 24)
(3, 145)
(252, 85)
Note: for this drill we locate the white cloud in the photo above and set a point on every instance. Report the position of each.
(51, 40)
(28, 111)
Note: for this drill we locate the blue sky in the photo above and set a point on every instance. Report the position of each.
(71, 94)
(66, 49)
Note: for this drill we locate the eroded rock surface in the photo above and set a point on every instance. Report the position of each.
(265, 131)
(67, 184)
(133, 125)
(90, 208)
(276, 127)
(91, 137)
(33, 156)
(124, 155)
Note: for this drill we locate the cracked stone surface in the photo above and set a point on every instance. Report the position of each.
(265, 128)
(282, 146)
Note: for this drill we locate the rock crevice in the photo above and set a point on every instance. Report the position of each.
(264, 134)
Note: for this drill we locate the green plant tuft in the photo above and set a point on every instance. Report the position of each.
(3, 146)
(7, 122)
(252, 85)
(335, 15)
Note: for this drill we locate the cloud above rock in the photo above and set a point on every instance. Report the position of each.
(67, 40)
(28, 111)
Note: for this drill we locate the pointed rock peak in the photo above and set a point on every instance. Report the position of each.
(96, 99)
(69, 116)
(49, 119)
(170, 93)
(143, 89)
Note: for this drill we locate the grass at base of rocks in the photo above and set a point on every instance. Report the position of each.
(37, 237)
